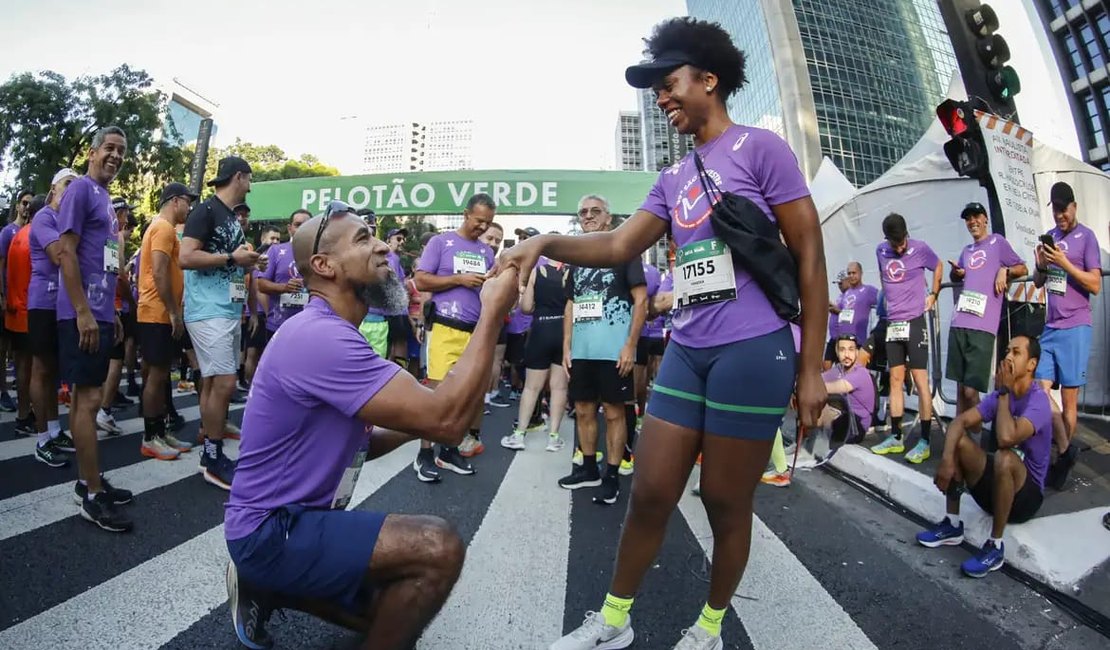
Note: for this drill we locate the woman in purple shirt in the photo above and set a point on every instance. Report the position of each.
(729, 370)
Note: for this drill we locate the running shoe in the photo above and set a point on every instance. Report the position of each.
(180, 445)
(186, 386)
(554, 443)
(122, 401)
(157, 448)
(577, 459)
(943, 534)
(499, 402)
(580, 477)
(610, 491)
(64, 442)
(696, 638)
(449, 458)
(920, 452)
(891, 445)
(50, 455)
(776, 479)
(628, 466)
(425, 466)
(219, 471)
(106, 423)
(26, 426)
(471, 446)
(174, 422)
(536, 424)
(101, 511)
(596, 634)
(990, 558)
(514, 441)
(232, 431)
(7, 403)
(249, 612)
(514, 395)
(118, 496)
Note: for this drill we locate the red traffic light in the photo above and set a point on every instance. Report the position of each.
(954, 116)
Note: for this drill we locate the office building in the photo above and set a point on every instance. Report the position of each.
(1079, 37)
(662, 144)
(418, 146)
(185, 109)
(854, 80)
(629, 143)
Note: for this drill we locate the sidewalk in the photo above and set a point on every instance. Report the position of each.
(1065, 546)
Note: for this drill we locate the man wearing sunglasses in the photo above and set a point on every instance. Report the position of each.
(312, 421)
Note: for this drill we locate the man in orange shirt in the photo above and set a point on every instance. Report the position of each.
(160, 324)
(15, 317)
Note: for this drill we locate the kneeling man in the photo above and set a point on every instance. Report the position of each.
(322, 403)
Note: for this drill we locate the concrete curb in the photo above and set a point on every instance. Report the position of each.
(1058, 550)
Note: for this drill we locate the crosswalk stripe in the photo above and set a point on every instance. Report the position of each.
(779, 601)
(63, 409)
(150, 604)
(514, 579)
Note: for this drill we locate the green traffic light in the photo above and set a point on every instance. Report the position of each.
(1004, 82)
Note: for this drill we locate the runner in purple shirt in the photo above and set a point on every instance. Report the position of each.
(649, 351)
(984, 269)
(1008, 484)
(851, 395)
(841, 283)
(906, 265)
(729, 370)
(281, 281)
(1070, 269)
(856, 303)
(311, 422)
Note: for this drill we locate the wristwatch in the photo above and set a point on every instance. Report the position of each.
(1002, 390)
(230, 263)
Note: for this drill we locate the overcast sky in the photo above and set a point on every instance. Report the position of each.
(542, 79)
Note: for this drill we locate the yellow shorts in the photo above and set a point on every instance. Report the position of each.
(445, 346)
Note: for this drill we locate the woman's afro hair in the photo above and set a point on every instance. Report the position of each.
(708, 42)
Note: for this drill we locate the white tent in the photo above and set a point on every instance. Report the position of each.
(924, 189)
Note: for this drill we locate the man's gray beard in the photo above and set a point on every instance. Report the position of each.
(389, 295)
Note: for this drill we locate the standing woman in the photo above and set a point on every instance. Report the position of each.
(727, 375)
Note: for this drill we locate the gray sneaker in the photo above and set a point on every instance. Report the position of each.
(595, 634)
(696, 638)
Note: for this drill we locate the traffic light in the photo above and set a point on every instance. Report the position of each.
(965, 151)
(982, 55)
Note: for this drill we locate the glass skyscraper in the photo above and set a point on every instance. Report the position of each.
(854, 80)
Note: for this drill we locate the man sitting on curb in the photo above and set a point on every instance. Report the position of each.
(851, 395)
(1008, 484)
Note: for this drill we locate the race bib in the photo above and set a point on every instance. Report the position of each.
(111, 256)
(588, 307)
(898, 331)
(1057, 282)
(237, 291)
(703, 274)
(346, 487)
(972, 302)
(846, 316)
(295, 299)
(467, 262)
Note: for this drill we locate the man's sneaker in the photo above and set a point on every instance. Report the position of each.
(596, 634)
(118, 496)
(122, 401)
(628, 466)
(174, 422)
(1058, 472)
(186, 386)
(449, 458)
(249, 612)
(554, 443)
(471, 446)
(610, 491)
(50, 455)
(173, 443)
(64, 442)
(219, 471)
(425, 466)
(26, 427)
(695, 638)
(577, 458)
(105, 422)
(943, 534)
(7, 403)
(514, 395)
(514, 441)
(536, 424)
(101, 511)
(776, 479)
(232, 431)
(990, 558)
(581, 477)
(157, 448)
(499, 402)
(238, 397)
(891, 445)
(920, 452)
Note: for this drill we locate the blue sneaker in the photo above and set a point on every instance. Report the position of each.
(990, 558)
(7, 403)
(943, 534)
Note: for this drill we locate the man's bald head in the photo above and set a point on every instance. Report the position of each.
(341, 227)
(855, 274)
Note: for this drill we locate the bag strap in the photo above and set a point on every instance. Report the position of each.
(704, 176)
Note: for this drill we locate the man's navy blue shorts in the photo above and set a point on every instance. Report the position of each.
(737, 390)
(310, 553)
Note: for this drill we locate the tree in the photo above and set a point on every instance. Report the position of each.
(268, 162)
(47, 123)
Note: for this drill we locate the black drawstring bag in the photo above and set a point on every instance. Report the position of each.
(756, 246)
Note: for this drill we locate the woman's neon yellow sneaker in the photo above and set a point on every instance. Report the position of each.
(920, 452)
(891, 445)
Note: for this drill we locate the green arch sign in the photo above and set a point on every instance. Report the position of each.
(554, 192)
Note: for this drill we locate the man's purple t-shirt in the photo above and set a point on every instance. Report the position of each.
(1034, 407)
(855, 311)
(86, 211)
(861, 400)
(301, 428)
(750, 162)
(981, 262)
(1073, 308)
(449, 253)
(42, 293)
(653, 329)
(833, 317)
(902, 278)
(281, 269)
(519, 322)
(7, 234)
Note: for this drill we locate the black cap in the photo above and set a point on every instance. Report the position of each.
(241, 207)
(972, 209)
(397, 231)
(174, 190)
(120, 203)
(527, 232)
(1061, 195)
(647, 73)
(229, 166)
